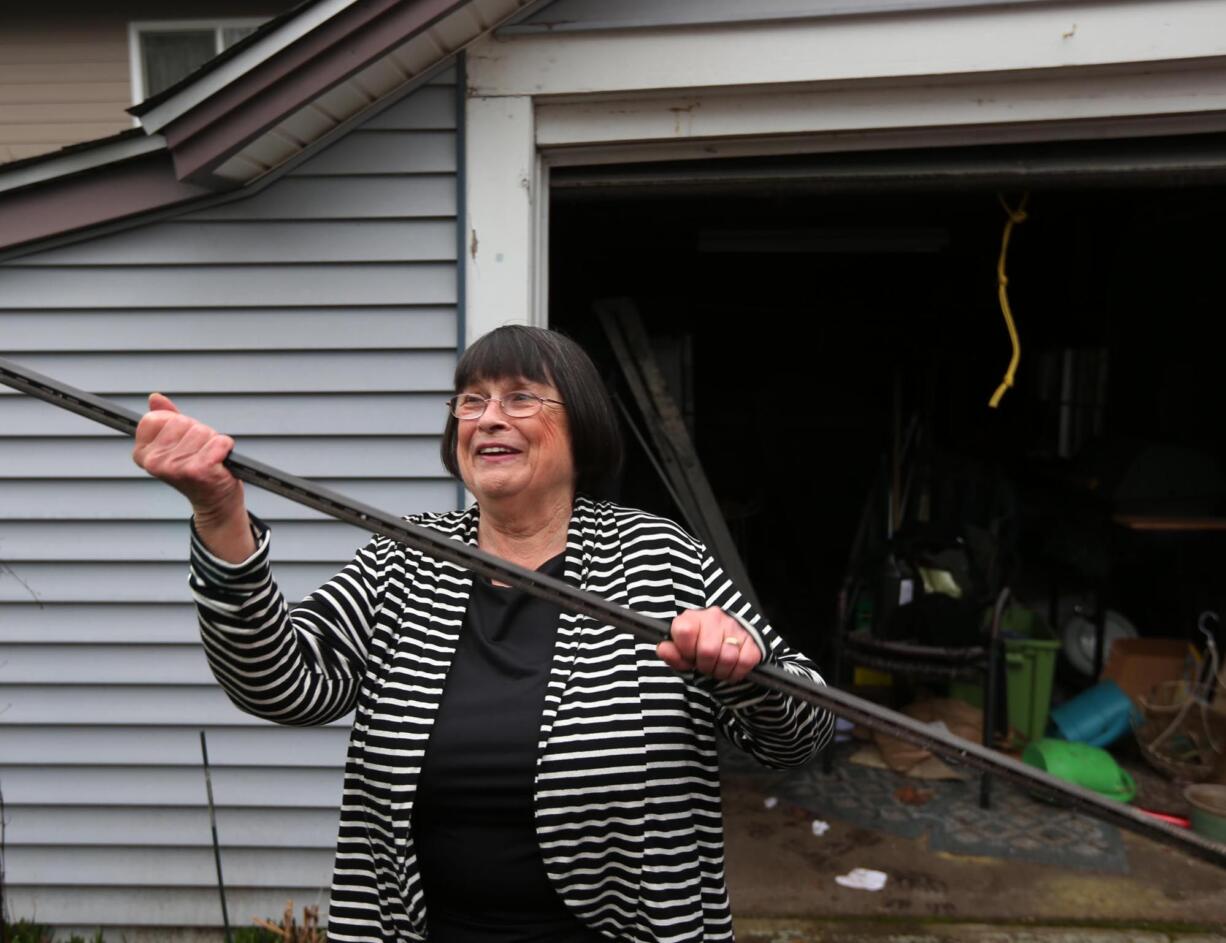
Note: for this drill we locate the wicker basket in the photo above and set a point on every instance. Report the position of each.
(1167, 699)
(1191, 752)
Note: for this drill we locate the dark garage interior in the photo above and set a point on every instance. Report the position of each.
(831, 330)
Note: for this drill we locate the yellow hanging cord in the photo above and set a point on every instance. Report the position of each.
(1015, 216)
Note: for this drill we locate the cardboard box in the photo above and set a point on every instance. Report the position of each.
(1137, 664)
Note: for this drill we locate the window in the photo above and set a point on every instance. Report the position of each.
(163, 53)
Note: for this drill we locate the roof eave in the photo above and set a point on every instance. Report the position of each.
(78, 160)
(134, 187)
(255, 104)
(317, 80)
(334, 74)
(155, 114)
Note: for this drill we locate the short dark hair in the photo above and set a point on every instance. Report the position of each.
(545, 356)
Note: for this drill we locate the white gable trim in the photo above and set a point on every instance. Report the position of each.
(1032, 106)
(886, 47)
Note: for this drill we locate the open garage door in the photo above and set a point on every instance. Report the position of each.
(810, 311)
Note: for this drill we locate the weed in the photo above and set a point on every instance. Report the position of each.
(23, 931)
(288, 930)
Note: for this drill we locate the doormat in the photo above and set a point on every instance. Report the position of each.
(1016, 827)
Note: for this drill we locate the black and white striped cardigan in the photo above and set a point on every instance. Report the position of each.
(627, 783)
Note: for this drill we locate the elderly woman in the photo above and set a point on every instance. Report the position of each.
(514, 772)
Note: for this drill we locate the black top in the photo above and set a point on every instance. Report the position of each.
(473, 816)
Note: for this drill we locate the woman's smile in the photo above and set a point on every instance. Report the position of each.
(527, 458)
(497, 452)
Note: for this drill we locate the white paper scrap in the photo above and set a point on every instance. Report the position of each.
(862, 879)
(820, 828)
(770, 801)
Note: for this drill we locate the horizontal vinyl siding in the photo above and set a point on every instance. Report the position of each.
(261, 371)
(62, 85)
(106, 705)
(92, 623)
(315, 321)
(91, 907)
(84, 500)
(65, 71)
(177, 867)
(340, 414)
(316, 328)
(46, 825)
(148, 745)
(241, 284)
(303, 242)
(52, 583)
(256, 786)
(111, 456)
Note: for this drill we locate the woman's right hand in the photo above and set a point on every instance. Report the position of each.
(189, 456)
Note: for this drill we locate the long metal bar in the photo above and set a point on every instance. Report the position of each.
(653, 631)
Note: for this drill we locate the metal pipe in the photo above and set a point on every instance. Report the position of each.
(208, 786)
(653, 631)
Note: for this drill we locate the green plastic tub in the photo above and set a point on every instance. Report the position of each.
(1079, 763)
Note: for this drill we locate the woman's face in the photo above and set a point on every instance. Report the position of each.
(503, 459)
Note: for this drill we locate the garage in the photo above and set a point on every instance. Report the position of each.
(812, 313)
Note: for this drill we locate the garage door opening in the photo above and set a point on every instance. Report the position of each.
(806, 327)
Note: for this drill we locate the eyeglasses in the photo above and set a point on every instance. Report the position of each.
(518, 404)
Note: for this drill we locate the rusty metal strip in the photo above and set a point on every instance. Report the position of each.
(631, 346)
(572, 599)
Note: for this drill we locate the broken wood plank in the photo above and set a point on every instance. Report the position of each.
(631, 345)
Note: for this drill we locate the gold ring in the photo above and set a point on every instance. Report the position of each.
(733, 641)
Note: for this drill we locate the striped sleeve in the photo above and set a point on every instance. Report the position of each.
(777, 730)
(300, 666)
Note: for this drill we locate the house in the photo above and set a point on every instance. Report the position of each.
(71, 70)
(295, 240)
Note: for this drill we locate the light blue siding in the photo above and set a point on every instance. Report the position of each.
(85, 500)
(314, 328)
(315, 320)
(257, 241)
(242, 285)
(103, 706)
(303, 415)
(111, 456)
(28, 621)
(148, 745)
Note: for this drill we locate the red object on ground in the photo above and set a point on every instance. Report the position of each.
(1177, 820)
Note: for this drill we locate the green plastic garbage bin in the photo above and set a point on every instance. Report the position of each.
(1030, 665)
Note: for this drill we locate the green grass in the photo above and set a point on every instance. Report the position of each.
(25, 931)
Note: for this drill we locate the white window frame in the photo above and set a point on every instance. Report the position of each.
(135, 66)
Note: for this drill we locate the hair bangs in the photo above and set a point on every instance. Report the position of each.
(503, 355)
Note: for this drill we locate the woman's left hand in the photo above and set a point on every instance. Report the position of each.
(711, 642)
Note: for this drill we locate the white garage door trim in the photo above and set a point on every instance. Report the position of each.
(1069, 71)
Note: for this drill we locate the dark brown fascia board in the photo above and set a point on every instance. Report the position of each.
(224, 124)
(128, 188)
